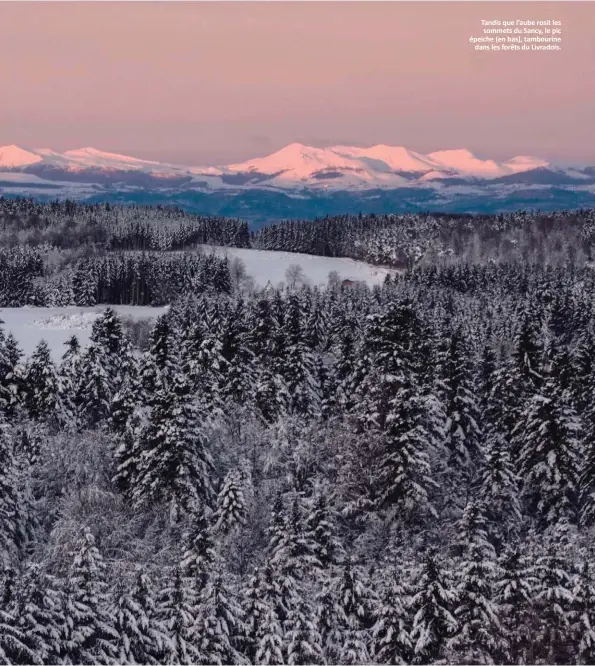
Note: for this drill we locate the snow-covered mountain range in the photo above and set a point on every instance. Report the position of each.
(443, 179)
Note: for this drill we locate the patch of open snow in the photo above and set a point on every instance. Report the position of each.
(66, 321)
(57, 325)
(270, 266)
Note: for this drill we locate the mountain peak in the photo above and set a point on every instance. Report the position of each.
(15, 156)
(295, 166)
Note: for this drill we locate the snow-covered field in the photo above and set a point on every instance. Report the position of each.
(57, 325)
(268, 266)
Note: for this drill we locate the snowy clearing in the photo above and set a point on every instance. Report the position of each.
(57, 325)
(269, 266)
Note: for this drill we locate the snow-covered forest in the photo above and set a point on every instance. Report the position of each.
(303, 475)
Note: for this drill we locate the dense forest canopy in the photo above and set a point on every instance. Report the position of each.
(298, 475)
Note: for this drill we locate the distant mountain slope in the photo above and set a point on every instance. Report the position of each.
(303, 181)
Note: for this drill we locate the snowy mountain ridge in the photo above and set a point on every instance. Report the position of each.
(302, 181)
(295, 165)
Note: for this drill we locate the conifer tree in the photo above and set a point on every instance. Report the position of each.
(514, 591)
(583, 615)
(549, 455)
(321, 532)
(433, 604)
(355, 612)
(29, 622)
(141, 640)
(528, 354)
(553, 599)
(220, 622)
(391, 639)
(178, 616)
(93, 391)
(255, 611)
(479, 636)
(405, 474)
(263, 637)
(175, 463)
(270, 639)
(294, 361)
(9, 498)
(304, 643)
(237, 353)
(231, 504)
(68, 377)
(198, 556)
(41, 384)
(499, 488)
(89, 636)
(327, 615)
(586, 465)
(462, 410)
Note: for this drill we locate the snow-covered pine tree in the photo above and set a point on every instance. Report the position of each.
(514, 590)
(583, 367)
(126, 395)
(262, 638)
(158, 357)
(141, 639)
(293, 360)
(328, 617)
(293, 553)
(391, 640)
(269, 639)
(41, 384)
(586, 480)
(88, 635)
(479, 636)
(254, 611)
(302, 639)
(382, 361)
(271, 395)
(499, 488)
(405, 474)
(220, 622)
(29, 620)
(175, 463)
(231, 504)
(321, 531)
(549, 434)
(355, 613)
(462, 410)
(433, 604)
(198, 555)
(93, 393)
(68, 376)
(238, 372)
(552, 601)
(583, 613)
(9, 498)
(127, 456)
(178, 616)
(528, 354)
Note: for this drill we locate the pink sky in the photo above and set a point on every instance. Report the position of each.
(208, 83)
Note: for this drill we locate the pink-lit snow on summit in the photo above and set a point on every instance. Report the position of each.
(295, 166)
